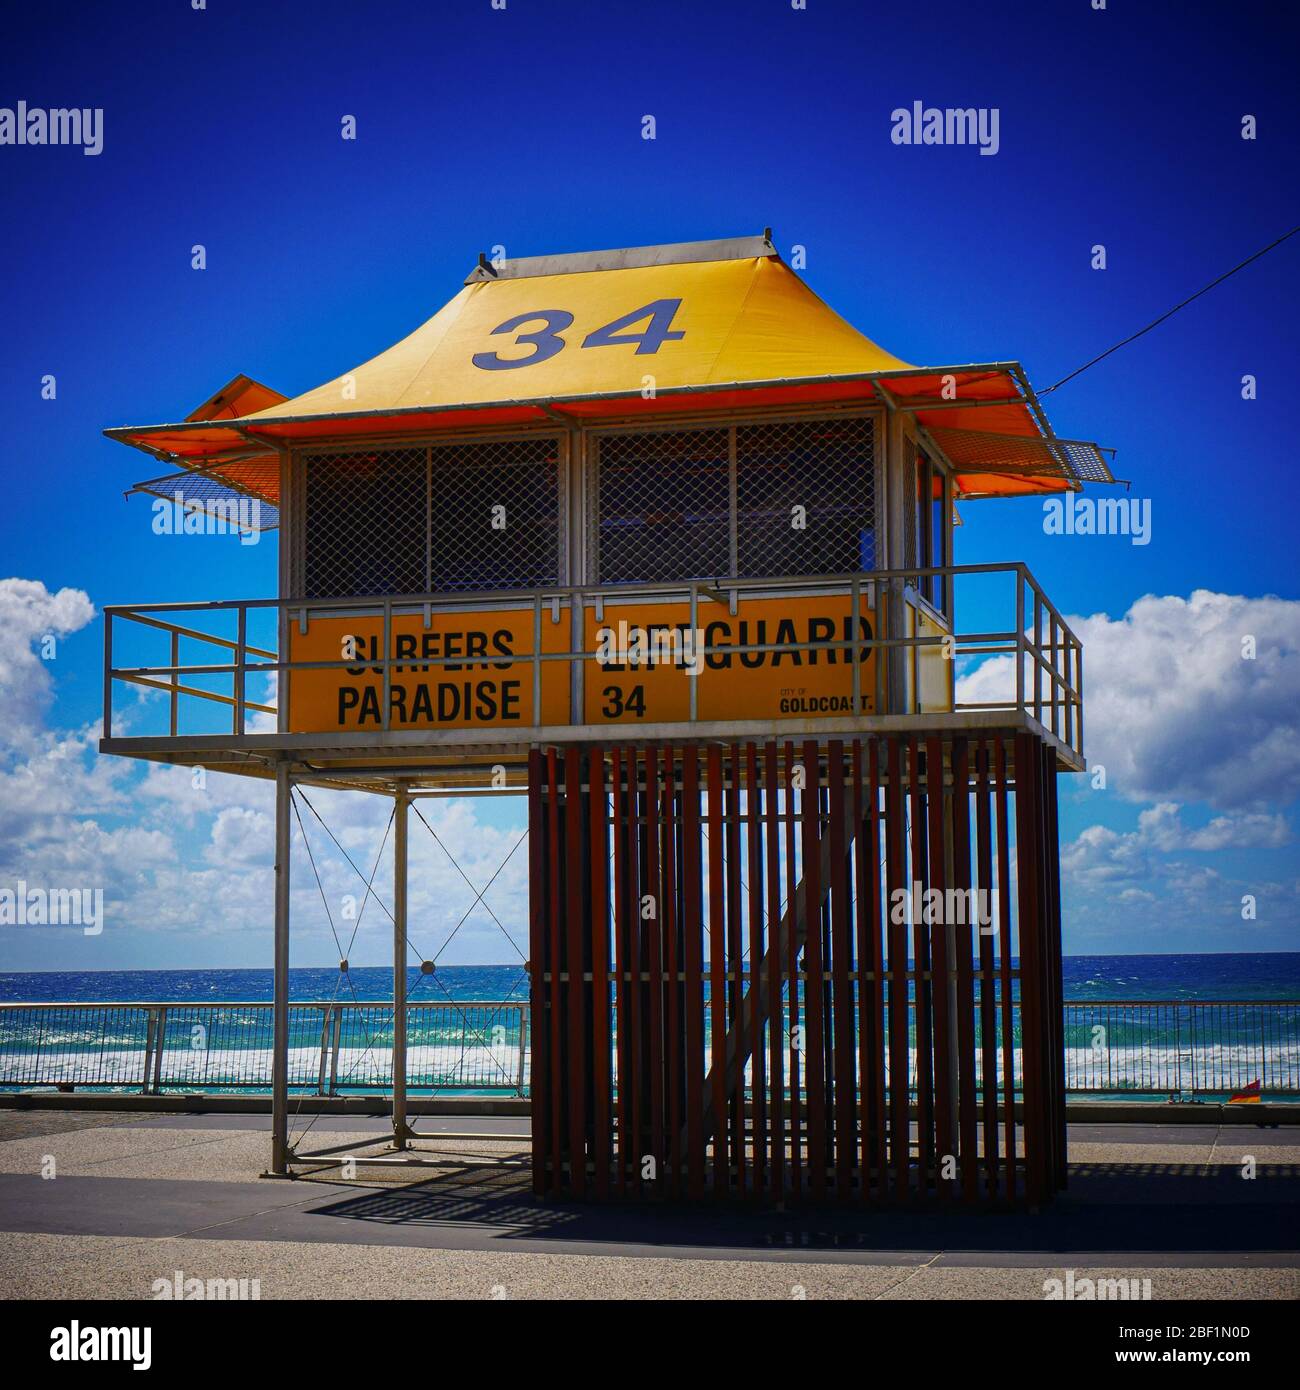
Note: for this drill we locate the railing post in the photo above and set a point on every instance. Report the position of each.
(108, 674)
(334, 1051)
(878, 608)
(1068, 656)
(898, 655)
(693, 668)
(523, 1047)
(327, 1017)
(241, 638)
(1056, 673)
(150, 1034)
(1020, 638)
(1038, 652)
(1078, 685)
(1178, 1051)
(174, 698)
(160, 1040)
(537, 660)
(388, 668)
(577, 666)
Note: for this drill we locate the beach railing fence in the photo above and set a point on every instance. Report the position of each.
(335, 1048)
(1113, 1047)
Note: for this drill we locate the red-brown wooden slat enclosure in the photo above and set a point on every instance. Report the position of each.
(827, 971)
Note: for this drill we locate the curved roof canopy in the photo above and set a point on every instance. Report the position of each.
(696, 327)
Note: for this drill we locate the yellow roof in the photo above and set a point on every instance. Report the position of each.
(731, 321)
(699, 326)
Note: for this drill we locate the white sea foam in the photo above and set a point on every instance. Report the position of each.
(451, 1065)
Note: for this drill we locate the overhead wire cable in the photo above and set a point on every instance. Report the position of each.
(1155, 323)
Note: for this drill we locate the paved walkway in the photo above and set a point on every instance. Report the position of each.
(135, 1198)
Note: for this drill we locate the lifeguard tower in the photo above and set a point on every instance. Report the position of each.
(657, 536)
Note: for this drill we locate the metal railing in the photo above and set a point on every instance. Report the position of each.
(1181, 1047)
(334, 1047)
(1114, 1047)
(1045, 656)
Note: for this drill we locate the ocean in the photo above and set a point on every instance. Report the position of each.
(1257, 975)
(1153, 1044)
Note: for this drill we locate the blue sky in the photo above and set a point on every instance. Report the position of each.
(522, 127)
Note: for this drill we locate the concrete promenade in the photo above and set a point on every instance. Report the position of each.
(137, 1197)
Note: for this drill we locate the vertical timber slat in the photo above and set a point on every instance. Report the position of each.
(622, 910)
(692, 892)
(772, 828)
(753, 808)
(598, 818)
(654, 952)
(814, 969)
(941, 965)
(842, 1013)
(895, 835)
(554, 1017)
(717, 972)
(792, 974)
(574, 961)
(537, 890)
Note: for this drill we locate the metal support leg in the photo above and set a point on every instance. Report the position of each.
(280, 1037)
(401, 1134)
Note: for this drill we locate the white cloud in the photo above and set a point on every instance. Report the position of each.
(1102, 857)
(241, 836)
(1173, 710)
(1130, 889)
(1161, 826)
(179, 858)
(29, 613)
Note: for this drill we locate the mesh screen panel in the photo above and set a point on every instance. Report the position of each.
(365, 518)
(982, 452)
(418, 520)
(1087, 462)
(826, 469)
(469, 482)
(664, 509)
(246, 504)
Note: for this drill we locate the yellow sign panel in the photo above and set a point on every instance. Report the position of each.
(472, 669)
(487, 686)
(645, 652)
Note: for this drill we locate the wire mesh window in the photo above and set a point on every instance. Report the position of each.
(664, 505)
(745, 501)
(805, 497)
(365, 519)
(494, 518)
(460, 516)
